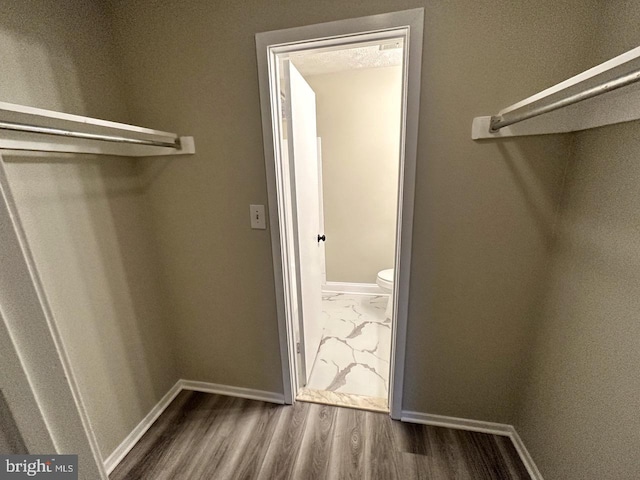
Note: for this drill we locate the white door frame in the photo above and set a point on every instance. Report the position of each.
(409, 25)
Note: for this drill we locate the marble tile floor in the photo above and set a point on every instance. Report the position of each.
(355, 349)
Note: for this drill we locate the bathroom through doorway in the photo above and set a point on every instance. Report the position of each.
(341, 110)
(339, 123)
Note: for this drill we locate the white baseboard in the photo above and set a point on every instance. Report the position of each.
(136, 434)
(356, 288)
(241, 392)
(112, 461)
(478, 426)
(455, 422)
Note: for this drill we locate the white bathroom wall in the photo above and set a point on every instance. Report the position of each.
(359, 124)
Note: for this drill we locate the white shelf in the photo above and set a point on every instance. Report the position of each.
(617, 106)
(14, 140)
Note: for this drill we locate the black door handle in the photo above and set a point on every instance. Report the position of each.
(323, 238)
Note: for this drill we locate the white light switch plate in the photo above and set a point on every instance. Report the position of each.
(258, 219)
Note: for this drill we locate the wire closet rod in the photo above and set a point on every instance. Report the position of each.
(500, 121)
(23, 127)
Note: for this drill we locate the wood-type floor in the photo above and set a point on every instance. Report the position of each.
(207, 436)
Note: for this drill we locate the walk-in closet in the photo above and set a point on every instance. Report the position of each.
(150, 264)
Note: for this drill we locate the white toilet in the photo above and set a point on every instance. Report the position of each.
(385, 282)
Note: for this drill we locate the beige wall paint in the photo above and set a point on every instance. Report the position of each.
(22, 420)
(11, 441)
(358, 114)
(484, 211)
(85, 217)
(579, 413)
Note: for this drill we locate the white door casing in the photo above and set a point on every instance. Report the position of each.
(270, 47)
(303, 157)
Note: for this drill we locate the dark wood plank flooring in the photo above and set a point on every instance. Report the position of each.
(206, 436)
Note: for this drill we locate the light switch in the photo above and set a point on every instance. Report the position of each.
(258, 220)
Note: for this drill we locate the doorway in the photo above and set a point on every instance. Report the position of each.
(340, 110)
(294, 170)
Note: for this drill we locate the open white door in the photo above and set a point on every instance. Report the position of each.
(303, 155)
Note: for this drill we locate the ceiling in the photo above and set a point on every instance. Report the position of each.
(332, 61)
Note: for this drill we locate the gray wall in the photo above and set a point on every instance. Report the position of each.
(580, 411)
(85, 218)
(10, 438)
(34, 382)
(358, 114)
(484, 211)
(579, 415)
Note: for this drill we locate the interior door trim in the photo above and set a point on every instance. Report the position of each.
(409, 25)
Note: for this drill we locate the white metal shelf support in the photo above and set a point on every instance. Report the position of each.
(593, 98)
(35, 129)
